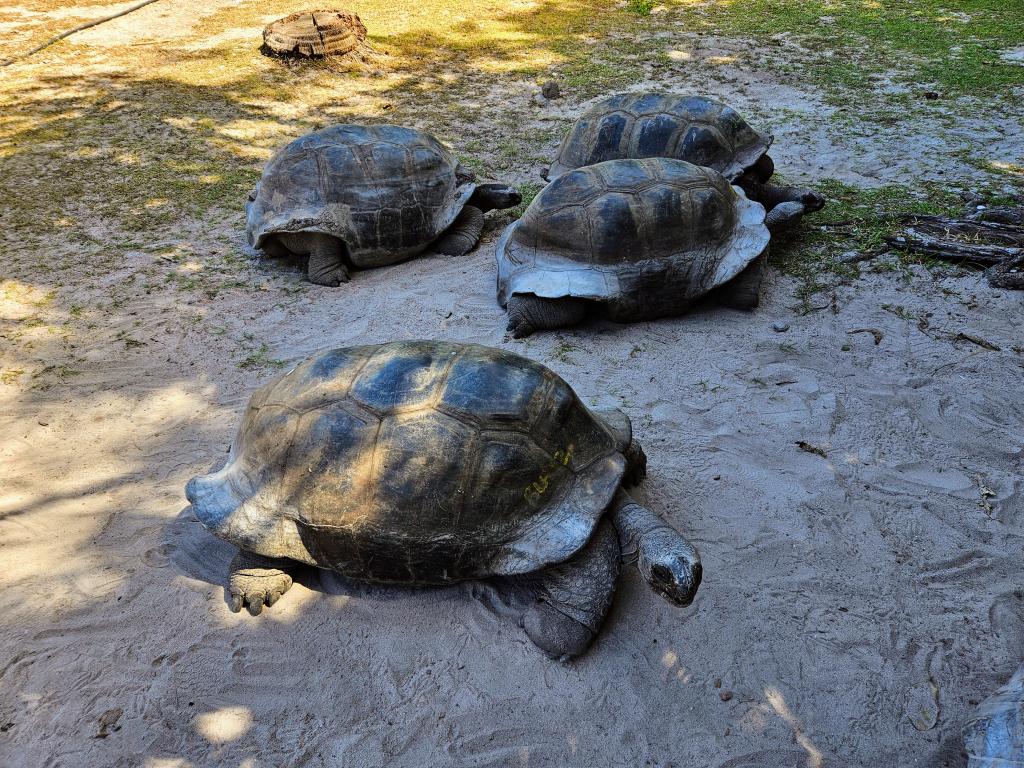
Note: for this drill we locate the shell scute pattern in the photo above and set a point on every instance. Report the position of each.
(690, 128)
(631, 210)
(645, 238)
(400, 191)
(417, 462)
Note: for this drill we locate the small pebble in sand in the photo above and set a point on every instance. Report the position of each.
(725, 695)
(780, 327)
(551, 90)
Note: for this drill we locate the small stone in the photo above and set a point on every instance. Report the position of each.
(996, 294)
(725, 695)
(931, 95)
(43, 423)
(551, 90)
(780, 327)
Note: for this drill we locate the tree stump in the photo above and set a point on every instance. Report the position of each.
(314, 34)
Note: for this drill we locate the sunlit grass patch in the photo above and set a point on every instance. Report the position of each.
(924, 42)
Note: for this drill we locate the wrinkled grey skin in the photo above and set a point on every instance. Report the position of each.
(425, 462)
(354, 196)
(631, 240)
(694, 129)
(994, 734)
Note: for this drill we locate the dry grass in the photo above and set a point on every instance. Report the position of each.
(126, 151)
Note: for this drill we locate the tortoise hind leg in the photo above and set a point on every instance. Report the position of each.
(528, 313)
(463, 234)
(255, 581)
(573, 597)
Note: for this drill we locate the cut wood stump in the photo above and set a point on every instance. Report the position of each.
(314, 34)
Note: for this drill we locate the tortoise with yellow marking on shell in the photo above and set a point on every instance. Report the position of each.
(424, 462)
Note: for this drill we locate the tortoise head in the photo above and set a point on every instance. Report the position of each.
(250, 522)
(212, 499)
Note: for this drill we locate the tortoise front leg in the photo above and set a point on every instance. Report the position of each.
(326, 256)
(668, 562)
(274, 248)
(255, 581)
(573, 597)
(744, 290)
(326, 261)
(463, 234)
(528, 313)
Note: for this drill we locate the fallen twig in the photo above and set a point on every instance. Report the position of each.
(68, 33)
(963, 336)
(953, 250)
(877, 334)
(803, 445)
(970, 229)
(1009, 274)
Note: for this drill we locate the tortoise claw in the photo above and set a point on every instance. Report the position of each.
(255, 587)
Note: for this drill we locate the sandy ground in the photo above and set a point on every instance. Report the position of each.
(858, 507)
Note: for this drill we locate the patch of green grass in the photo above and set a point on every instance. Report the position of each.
(855, 220)
(60, 372)
(900, 311)
(129, 342)
(640, 7)
(563, 351)
(951, 47)
(528, 191)
(260, 358)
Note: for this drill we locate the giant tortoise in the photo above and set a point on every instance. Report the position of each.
(367, 196)
(994, 733)
(630, 240)
(696, 129)
(424, 462)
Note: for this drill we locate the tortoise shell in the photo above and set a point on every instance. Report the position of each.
(386, 191)
(414, 462)
(645, 238)
(994, 733)
(638, 125)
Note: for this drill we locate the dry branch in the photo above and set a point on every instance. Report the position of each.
(68, 33)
